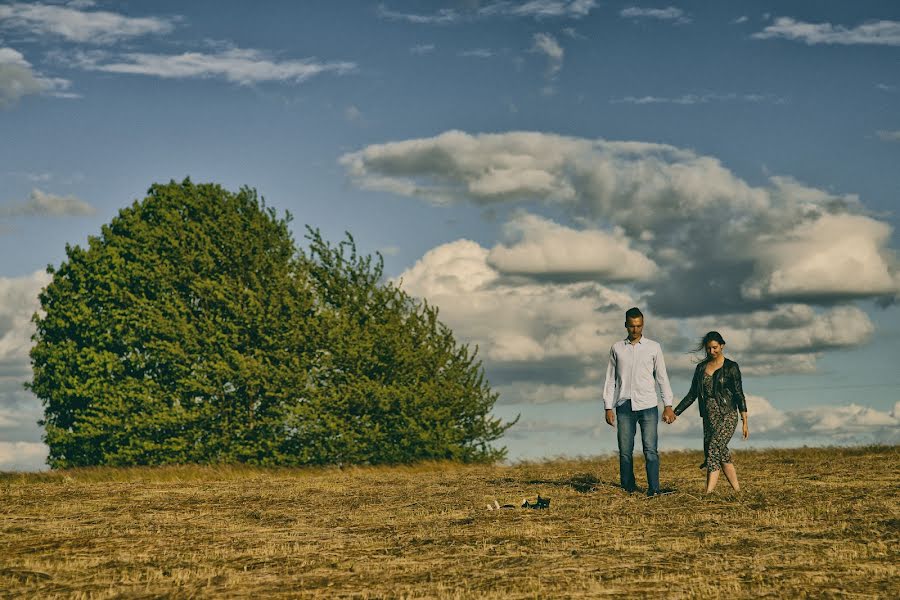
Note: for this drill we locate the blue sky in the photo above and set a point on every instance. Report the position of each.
(533, 168)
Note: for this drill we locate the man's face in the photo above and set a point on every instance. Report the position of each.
(635, 328)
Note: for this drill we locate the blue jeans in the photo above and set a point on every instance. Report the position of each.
(628, 421)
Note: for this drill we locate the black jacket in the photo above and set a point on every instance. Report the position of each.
(726, 386)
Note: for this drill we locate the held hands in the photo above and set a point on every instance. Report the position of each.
(668, 415)
(745, 429)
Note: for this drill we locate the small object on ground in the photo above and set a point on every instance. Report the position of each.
(660, 492)
(496, 506)
(539, 503)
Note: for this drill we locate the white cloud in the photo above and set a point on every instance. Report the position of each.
(885, 33)
(769, 426)
(557, 332)
(18, 79)
(825, 425)
(18, 302)
(23, 456)
(241, 66)
(540, 8)
(353, 114)
(421, 49)
(546, 44)
(888, 136)
(671, 13)
(477, 53)
(533, 9)
(539, 247)
(19, 409)
(841, 255)
(705, 98)
(72, 24)
(789, 338)
(542, 393)
(762, 245)
(41, 203)
(739, 20)
(444, 16)
(515, 322)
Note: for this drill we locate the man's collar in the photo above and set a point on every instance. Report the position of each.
(628, 341)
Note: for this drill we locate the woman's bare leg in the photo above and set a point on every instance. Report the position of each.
(731, 476)
(712, 478)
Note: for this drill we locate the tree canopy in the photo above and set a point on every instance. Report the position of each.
(194, 330)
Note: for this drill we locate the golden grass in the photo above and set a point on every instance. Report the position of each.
(814, 523)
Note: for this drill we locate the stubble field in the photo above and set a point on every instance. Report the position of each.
(814, 523)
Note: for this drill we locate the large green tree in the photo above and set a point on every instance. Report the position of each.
(193, 329)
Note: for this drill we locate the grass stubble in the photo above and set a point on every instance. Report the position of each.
(814, 523)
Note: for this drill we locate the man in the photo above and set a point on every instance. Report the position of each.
(636, 369)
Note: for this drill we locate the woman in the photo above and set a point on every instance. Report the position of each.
(717, 385)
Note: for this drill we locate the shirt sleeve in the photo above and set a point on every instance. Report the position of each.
(609, 388)
(662, 377)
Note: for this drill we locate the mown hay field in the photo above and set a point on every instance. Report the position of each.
(815, 523)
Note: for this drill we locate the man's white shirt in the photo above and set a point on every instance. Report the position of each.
(634, 372)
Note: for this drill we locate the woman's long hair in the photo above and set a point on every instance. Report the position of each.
(711, 336)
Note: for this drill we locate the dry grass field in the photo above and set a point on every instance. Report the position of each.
(817, 523)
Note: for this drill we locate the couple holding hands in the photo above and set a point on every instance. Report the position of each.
(636, 369)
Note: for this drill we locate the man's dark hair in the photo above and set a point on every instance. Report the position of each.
(633, 313)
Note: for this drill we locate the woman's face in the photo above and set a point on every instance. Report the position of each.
(714, 349)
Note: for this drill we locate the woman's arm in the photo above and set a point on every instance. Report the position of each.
(740, 399)
(691, 395)
(745, 428)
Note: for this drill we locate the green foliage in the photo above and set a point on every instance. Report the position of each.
(192, 330)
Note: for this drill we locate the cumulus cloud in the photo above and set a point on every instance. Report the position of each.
(886, 33)
(546, 44)
(18, 79)
(825, 425)
(20, 410)
(537, 333)
(526, 323)
(75, 25)
(722, 245)
(769, 426)
(23, 456)
(243, 66)
(541, 248)
(18, 302)
(675, 15)
(44, 204)
(888, 136)
(843, 255)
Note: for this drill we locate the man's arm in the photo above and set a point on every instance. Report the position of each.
(609, 388)
(665, 388)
